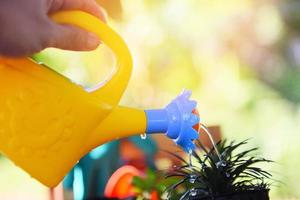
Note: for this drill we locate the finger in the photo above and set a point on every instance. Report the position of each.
(89, 6)
(72, 38)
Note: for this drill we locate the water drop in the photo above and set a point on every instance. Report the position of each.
(144, 136)
(221, 163)
(193, 178)
(193, 192)
(227, 174)
(190, 158)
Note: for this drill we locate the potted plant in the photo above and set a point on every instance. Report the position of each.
(226, 173)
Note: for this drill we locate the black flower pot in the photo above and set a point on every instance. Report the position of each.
(247, 195)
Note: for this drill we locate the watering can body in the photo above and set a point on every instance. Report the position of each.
(47, 123)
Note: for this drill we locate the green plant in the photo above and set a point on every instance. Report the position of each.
(211, 177)
(152, 185)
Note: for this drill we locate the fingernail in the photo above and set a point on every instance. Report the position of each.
(92, 41)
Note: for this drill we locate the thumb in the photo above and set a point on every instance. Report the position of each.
(72, 38)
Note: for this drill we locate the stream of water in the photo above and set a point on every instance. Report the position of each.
(221, 163)
(143, 136)
(206, 130)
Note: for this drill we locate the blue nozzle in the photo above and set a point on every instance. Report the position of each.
(176, 120)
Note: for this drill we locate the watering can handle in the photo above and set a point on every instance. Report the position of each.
(117, 84)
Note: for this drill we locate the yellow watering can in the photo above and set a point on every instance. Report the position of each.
(47, 123)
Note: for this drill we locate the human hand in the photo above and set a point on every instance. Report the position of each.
(26, 28)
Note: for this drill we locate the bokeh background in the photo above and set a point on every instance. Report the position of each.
(241, 59)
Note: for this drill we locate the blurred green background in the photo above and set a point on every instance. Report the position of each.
(241, 59)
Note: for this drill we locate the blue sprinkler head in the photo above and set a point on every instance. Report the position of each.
(176, 120)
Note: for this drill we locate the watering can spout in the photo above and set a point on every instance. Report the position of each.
(176, 121)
